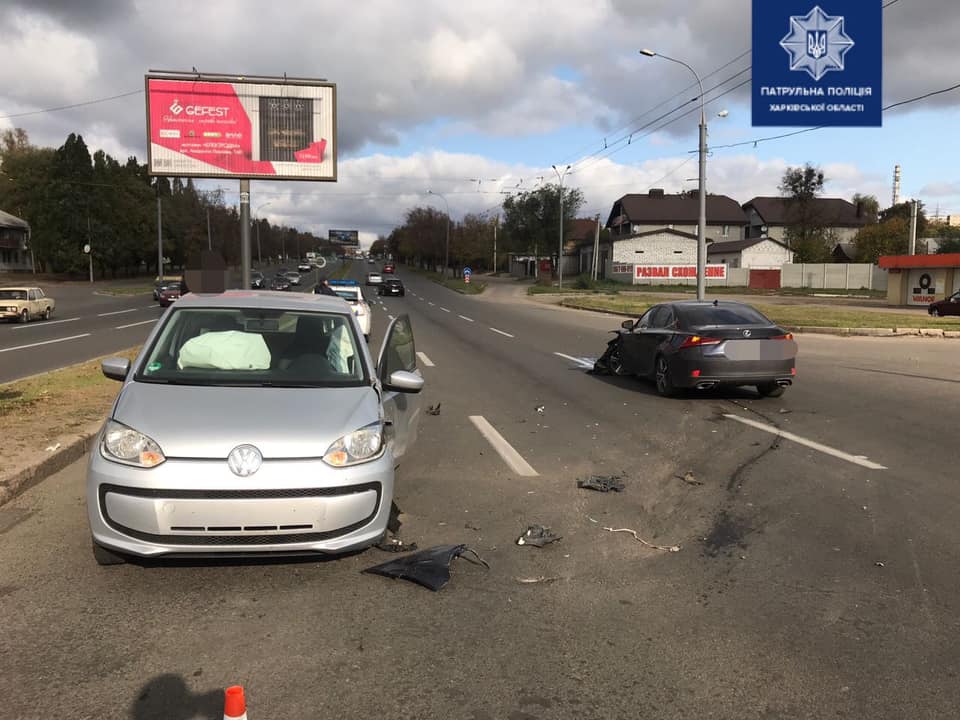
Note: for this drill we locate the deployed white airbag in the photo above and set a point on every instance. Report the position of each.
(229, 350)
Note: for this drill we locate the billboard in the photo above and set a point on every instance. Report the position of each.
(348, 238)
(277, 130)
(817, 64)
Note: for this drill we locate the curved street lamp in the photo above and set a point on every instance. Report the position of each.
(702, 224)
(446, 259)
(560, 175)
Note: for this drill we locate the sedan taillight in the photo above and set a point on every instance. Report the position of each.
(699, 341)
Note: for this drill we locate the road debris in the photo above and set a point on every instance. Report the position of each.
(667, 548)
(472, 526)
(879, 564)
(429, 568)
(536, 580)
(538, 536)
(433, 409)
(395, 545)
(602, 483)
(541, 409)
(689, 478)
(53, 448)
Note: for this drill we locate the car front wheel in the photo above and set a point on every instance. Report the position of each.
(662, 374)
(24, 316)
(772, 390)
(934, 312)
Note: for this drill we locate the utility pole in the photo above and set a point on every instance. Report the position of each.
(913, 227)
(259, 260)
(560, 252)
(89, 249)
(209, 236)
(245, 260)
(596, 249)
(496, 221)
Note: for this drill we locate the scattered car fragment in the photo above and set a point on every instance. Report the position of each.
(538, 536)
(429, 568)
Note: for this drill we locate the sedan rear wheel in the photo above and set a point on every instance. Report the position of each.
(772, 390)
(24, 316)
(662, 374)
(47, 313)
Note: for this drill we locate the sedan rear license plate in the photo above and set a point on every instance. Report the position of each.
(765, 349)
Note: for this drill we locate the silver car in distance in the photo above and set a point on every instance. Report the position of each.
(252, 422)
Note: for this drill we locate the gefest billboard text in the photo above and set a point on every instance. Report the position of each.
(242, 129)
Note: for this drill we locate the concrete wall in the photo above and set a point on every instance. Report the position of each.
(826, 276)
(766, 255)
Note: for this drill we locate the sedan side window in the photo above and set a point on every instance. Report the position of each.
(644, 320)
(31, 295)
(661, 314)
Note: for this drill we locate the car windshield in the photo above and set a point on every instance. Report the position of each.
(13, 294)
(349, 294)
(254, 347)
(720, 315)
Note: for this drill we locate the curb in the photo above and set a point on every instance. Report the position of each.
(19, 482)
(818, 330)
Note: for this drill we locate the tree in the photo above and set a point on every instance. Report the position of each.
(531, 220)
(806, 234)
(869, 205)
(885, 238)
(902, 211)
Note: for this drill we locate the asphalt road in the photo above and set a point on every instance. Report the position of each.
(87, 323)
(808, 583)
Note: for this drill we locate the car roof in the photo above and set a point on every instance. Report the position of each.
(20, 287)
(266, 299)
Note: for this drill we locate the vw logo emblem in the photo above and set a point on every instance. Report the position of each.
(244, 460)
(747, 333)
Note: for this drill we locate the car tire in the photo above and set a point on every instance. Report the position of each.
(24, 316)
(104, 557)
(934, 312)
(771, 390)
(615, 361)
(47, 313)
(402, 293)
(661, 376)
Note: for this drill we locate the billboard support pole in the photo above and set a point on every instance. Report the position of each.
(159, 235)
(245, 259)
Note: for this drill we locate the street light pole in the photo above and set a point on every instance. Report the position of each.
(257, 213)
(446, 259)
(702, 224)
(560, 253)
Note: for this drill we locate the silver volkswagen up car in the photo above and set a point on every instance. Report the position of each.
(252, 422)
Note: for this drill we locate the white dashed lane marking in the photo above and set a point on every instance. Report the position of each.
(45, 323)
(117, 312)
(424, 359)
(130, 325)
(444, 309)
(501, 332)
(505, 450)
(583, 362)
(860, 460)
(464, 317)
(45, 342)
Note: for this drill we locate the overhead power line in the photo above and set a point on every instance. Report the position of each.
(74, 105)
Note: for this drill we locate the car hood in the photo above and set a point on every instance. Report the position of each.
(208, 422)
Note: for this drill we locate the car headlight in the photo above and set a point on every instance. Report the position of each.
(358, 447)
(130, 447)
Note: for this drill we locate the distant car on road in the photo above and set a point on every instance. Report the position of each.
(389, 268)
(949, 306)
(703, 345)
(24, 304)
(370, 261)
(374, 278)
(252, 423)
(350, 291)
(280, 282)
(257, 280)
(293, 276)
(305, 267)
(169, 294)
(391, 286)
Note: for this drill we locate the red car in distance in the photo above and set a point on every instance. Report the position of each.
(389, 268)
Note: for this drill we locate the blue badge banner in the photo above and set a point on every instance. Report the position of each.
(817, 62)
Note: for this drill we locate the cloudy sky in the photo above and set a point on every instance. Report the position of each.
(474, 99)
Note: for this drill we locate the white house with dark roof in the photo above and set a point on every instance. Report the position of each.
(771, 217)
(755, 253)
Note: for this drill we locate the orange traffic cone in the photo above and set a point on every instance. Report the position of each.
(234, 706)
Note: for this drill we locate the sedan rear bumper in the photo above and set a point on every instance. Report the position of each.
(725, 372)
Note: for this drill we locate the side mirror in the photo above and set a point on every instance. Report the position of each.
(627, 324)
(115, 368)
(405, 382)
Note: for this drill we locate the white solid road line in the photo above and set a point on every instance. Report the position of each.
(505, 450)
(424, 359)
(45, 342)
(44, 323)
(391, 317)
(501, 332)
(826, 449)
(444, 309)
(582, 362)
(142, 322)
(118, 312)
(464, 317)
